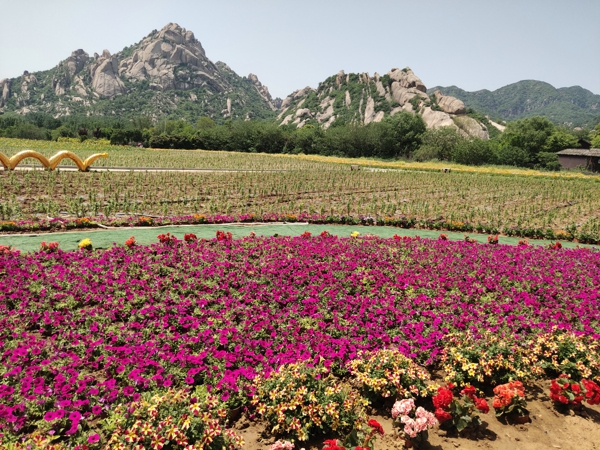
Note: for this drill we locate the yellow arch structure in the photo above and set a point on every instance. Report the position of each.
(52, 162)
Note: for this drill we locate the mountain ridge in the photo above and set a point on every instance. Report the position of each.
(168, 75)
(573, 106)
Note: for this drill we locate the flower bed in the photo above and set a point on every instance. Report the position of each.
(82, 332)
(58, 224)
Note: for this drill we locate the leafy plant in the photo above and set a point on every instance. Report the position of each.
(301, 400)
(388, 373)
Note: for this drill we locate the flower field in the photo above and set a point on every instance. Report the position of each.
(84, 332)
(527, 207)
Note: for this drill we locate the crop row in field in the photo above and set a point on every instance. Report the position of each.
(178, 159)
(120, 156)
(83, 331)
(498, 202)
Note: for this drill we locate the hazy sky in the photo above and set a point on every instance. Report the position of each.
(473, 44)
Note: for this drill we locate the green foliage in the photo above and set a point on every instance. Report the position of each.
(439, 143)
(548, 161)
(205, 123)
(596, 137)
(511, 156)
(530, 135)
(574, 106)
(560, 140)
(474, 152)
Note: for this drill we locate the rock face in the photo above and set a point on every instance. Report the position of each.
(361, 98)
(5, 89)
(263, 91)
(105, 79)
(160, 54)
(448, 104)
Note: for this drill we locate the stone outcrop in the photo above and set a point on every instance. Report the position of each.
(160, 55)
(5, 90)
(448, 104)
(105, 77)
(436, 119)
(361, 98)
(262, 90)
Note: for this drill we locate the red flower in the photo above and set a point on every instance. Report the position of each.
(469, 391)
(332, 444)
(592, 394)
(443, 398)
(190, 237)
(376, 426)
(482, 405)
(441, 415)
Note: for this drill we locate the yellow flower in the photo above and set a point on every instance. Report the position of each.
(354, 234)
(86, 244)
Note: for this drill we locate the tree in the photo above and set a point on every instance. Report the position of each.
(438, 143)
(596, 138)
(401, 135)
(530, 135)
(204, 123)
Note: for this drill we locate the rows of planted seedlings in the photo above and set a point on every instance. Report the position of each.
(181, 332)
(133, 157)
(498, 202)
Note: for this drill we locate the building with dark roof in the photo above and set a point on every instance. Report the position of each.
(572, 158)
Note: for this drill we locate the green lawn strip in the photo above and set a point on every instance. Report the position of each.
(147, 235)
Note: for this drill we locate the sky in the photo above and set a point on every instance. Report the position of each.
(288, 44)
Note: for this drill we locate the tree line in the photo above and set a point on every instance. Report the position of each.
(531, 142)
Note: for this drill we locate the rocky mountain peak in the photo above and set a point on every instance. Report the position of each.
(158, 57)
(361, 98)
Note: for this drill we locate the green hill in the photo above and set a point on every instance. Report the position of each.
(572, 106)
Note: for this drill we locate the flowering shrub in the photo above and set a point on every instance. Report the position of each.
(364, 438)
(592, 392)
(224, 236)
(145, 221)
(166, 239)
(85, 244)
(190, 237)
(299, 399)
(561, 352)
(131, 242)
(49, 247)
(388, 373)
(7, 249)
(509, 398)
(564, 390)
(493, 239)
(98, 328)
(181, 419)
(443, 237)
(484, 358)
(460, 412)
(416, 421)
(279, 445)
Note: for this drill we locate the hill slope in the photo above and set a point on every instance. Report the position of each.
(165, 74)
(360, 98)
(574, 106)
